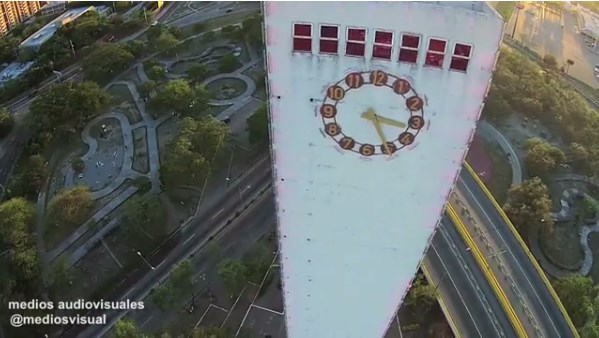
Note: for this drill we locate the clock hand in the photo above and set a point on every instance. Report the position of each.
(379, 131)
(371, 116)
(391, 122)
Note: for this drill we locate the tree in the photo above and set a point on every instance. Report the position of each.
(156, 73)
(165, 41)
(180, 284)
(590, 331)
(36, 174)
(16, 216)
(581, 158)
(146, 88)
(65, 108)
(192, 151)
(126, 328)
(542, 158)
(550, 61)
(7, 122)
(78, 165)
(252, 30)
(234, 275)
(198, 73)
(69, 208)
(421, 299)
(577, 294)
(9, 47)
(144, 215)
(106, 61)
(136, 48)
(496, 108)
(180, 97)
(528, 206)
(228, 63)
(257, 263)
(257, 125)
(60, 274)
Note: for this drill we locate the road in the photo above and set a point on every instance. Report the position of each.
(204, 11)
(217, 213)
(516, 274)
(236, 240)
(470, 301)
(541, 30)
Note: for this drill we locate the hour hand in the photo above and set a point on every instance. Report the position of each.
(371, 116)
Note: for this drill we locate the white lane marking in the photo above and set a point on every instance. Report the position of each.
(471, 280)
(456, 289)
(218, 213)
(511, 253)
(189, 239)
(266, 309)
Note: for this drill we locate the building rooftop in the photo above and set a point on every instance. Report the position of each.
(14, 70)
(590, 21)
(45, 33)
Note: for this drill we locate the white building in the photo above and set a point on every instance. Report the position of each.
(54, 7)
(588, 23)
(372, 106)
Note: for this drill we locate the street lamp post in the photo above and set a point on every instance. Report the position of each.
(145, 261)
(518, 8)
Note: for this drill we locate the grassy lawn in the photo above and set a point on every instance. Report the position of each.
(594, 244)
(505, 9)
(216, 110)
(140, 153)
(120, 94)
(227, 88)
(181, 67)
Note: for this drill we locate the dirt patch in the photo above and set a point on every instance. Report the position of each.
(499, 178)
(140, 153)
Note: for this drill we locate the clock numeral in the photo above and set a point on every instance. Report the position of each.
(378, 78)
(388, 148)
(367, 150)
(328, 111)
(414, 103)
(354, 80)
(416, 122)
(401, 86)
(335, 93)
(406, 138)
(347, 143)
(332, 129)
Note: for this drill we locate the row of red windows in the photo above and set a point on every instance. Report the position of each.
(383, 45)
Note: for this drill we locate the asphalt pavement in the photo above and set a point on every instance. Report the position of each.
(202, 229)
(234, 242)
(516, 274)
(471, 302)
(541, 30)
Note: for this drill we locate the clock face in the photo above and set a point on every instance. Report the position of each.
(372, 113)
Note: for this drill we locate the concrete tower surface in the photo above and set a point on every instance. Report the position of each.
(372, 107)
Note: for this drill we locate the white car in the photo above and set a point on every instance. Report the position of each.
(596, 68)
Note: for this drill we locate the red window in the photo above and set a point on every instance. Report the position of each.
(435, 53)
(302, 37)
(461, 57)
(356, 42)
(408, 52)
(329, 39)
(383, 43)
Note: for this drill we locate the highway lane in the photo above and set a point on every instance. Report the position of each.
(234, 242)
(471, 302)
(518, 277)
(202, 229)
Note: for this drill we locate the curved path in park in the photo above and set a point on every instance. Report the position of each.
(79, 242)
(488, 131)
